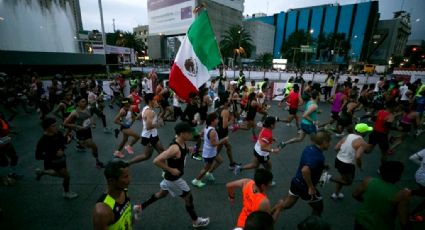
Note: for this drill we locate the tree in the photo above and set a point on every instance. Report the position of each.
(236, 42)
(265, 60)
(125, 39)
(290, 48)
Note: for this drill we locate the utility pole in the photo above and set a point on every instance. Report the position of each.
(103, 37)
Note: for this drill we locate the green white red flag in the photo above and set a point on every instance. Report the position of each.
(198, 53)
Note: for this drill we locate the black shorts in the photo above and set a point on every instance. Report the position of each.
(293, 111)
(150, 140)
(56, 164)
(299, 190)
(344, 168)
(345, 121)
(222, 133)
(381, 139)
(335, 115)
(405, 127)
(117, 94)
(261, 159)
(84, 134)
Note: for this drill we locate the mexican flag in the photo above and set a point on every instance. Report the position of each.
(197, 55)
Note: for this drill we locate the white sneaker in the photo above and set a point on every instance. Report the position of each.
(273, 183)
(198, 183)
(209, 176)
(70, 195)
(260, 124)
(201, 222)
(340, 196)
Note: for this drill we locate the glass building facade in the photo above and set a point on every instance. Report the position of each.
(355, 21)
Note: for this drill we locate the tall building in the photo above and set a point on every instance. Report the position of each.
(262, 36)
(170, 20)
(390, 38)
(142, 32)
(355, 21)
(75, 10)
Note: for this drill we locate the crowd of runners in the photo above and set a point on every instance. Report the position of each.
(361, 117)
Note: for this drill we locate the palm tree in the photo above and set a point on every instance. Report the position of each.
(236, 42)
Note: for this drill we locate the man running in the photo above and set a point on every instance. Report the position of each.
(172, 161)
(150, 138)
(113, 209)
(80, 120)
(254, 194)
(50, 148)
(350, 151)
(125, 119)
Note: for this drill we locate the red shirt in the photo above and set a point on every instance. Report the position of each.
(293, 100)
(380, 122)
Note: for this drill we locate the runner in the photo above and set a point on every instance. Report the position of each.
(345, 120)
(172, 161)
(80, 120)
(50, 148)
(135, 99)
(419, 158)
(308, 122)
(150, 138)
(309, 171)
(254, 194)
(262, 149)
(350, 151)
(113, 209)
(125, 118)
(209, 151)
(294, 100)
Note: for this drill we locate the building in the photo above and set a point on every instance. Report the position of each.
(75, 10)
(262, 35)
(169, 22)
(390, 38)
(355, 21)
(142, 32)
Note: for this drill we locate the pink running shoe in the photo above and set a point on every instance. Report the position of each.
(118, 154)
(129, 149)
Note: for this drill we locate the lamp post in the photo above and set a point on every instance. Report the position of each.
(103, 37)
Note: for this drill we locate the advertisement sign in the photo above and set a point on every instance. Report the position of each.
(170, 17)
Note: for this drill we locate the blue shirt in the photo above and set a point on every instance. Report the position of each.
(314, 159)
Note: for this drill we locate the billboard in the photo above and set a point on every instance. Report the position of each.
(170, 17)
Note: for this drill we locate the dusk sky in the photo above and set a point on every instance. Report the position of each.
(130, 13)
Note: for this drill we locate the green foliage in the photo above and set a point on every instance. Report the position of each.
(264, 60)
(290, 48)
(125, 39)
(236, 42)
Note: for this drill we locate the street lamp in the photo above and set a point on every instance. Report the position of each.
(103, 36)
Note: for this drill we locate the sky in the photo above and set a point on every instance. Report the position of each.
(130, 13)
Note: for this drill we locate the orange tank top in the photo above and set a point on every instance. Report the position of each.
(251, 202)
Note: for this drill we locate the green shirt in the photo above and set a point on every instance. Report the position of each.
(379, 209)
(122, 213)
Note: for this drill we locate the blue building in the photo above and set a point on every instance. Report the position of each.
(355, 21)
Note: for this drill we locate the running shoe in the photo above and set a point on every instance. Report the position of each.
(119, 154)
(282, 145)
(324, 178)
(237, 170)
(209, 176)
(273, 183)
(129, 149)
(116, 132)
(198, 183)
(99, 165)
(106, 130)
(70, 195)
(334, 196)
(197, 157)
(233, 165)
(416, 218)
(201, 222)
(80, 148)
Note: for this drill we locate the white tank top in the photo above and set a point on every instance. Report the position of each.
(128, 118)
(347, 153)
(149, 132)
(209, 150)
